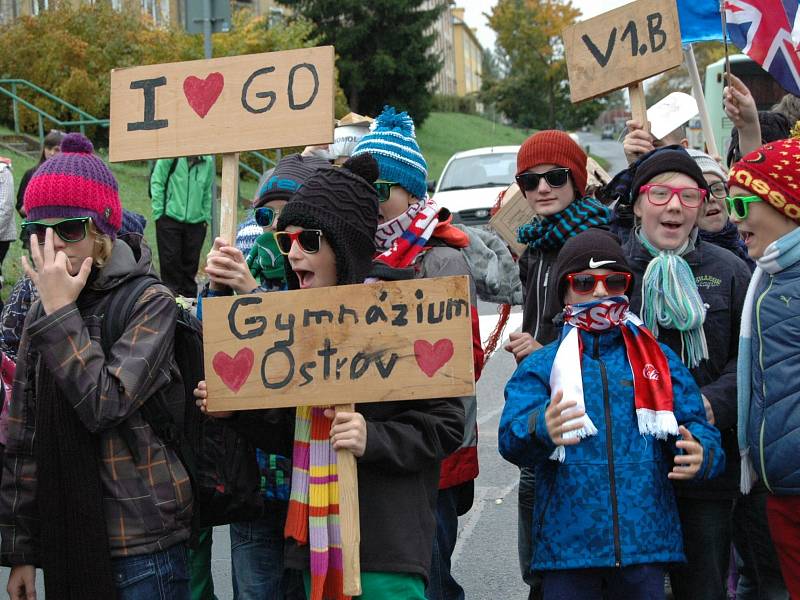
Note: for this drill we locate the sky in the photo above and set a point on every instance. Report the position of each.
(474, 9)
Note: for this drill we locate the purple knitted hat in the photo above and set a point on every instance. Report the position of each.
(75, 183)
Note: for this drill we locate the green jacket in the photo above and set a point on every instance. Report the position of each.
(187, 197)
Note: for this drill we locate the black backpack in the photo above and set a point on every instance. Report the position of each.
(172, 167)
(221, 463)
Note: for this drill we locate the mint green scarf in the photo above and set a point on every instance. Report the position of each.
(670, 298)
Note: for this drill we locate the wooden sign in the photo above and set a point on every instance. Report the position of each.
(622, 47)
(222, 105)
(347, 344)
(515, 212)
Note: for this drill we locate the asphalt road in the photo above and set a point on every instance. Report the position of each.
(611, 150)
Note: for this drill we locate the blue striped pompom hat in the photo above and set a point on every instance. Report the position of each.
(392, 143)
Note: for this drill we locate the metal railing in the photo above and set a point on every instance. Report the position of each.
(85, 120)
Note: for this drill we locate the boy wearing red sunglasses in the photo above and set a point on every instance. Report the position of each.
(606, 416)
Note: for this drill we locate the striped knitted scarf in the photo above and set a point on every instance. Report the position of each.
(652, 381)
(779, 255)
(550, 233)
(313, 515)
(670, 298)
(404, 237)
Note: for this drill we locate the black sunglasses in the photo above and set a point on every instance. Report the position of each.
(69, 230)
(384, 189)
(555, 178)
(266, 215)
(308, 239)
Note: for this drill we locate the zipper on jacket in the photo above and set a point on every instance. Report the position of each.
(610, 451)
(538, 306)
(763, 383)
(544, 286)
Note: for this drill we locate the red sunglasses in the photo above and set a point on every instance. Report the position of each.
(586, 283)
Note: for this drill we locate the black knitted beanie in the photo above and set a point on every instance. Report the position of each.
(343, 203)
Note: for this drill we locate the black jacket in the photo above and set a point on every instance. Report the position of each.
(722, 280)
(541, 304)
(398, 476)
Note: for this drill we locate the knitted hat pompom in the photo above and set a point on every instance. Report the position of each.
(392, 143)
(75, 183)
(75, 142)
(364, 166)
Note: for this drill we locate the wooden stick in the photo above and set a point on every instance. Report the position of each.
(699, 96)
(349, 516)
(230, 196)
(638, 104)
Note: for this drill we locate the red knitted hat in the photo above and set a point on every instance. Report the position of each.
(554, 148)
(773, 173)
(75, 183)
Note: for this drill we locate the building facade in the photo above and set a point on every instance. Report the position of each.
(163, 12)
(445, 80)
(468, 55)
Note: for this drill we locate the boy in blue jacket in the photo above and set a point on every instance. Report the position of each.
(605, 518)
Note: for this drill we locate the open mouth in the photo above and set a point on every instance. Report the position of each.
(671, 225)
(306, 278)
(747, 237)
(713, 212)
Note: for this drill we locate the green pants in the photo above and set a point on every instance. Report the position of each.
(201, 583)
(381, 585)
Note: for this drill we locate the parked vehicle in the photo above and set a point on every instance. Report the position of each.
(608, 133)
(471, 181)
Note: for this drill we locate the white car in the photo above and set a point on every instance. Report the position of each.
(471, 181)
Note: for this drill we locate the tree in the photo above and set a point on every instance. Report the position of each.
(384, 50)
(70, 51)
(534, 92)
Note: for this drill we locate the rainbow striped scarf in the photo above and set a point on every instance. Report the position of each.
(314, 502)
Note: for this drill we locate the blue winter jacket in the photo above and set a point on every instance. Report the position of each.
(773, 431)
(610, 502)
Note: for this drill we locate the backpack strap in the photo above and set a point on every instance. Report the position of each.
(119, 308)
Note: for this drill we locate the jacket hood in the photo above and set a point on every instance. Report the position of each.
(122, 265)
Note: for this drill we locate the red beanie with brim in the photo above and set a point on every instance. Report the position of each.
(552, 147)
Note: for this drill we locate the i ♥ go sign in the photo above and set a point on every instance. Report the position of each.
(222, 105)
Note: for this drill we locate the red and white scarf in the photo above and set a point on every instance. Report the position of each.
(652, 382)
(400, 240)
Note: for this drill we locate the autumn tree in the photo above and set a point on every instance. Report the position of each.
(535, 90)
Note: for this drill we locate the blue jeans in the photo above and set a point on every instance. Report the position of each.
(706, 526)
(637, 582)
(257, 560)
(159, 576)
(442, 585)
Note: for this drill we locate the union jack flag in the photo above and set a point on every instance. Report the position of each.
(765, 30)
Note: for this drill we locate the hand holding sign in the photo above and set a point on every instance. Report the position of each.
(621, 48)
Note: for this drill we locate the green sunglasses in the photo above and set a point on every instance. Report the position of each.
(69, 230)
(384, 188)
(739, 206)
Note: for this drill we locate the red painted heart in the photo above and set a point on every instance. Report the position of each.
(203, 93)
(432, 357)
(234, 371)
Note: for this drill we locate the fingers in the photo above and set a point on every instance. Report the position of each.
(218, 244)
(201, 391)
(36, 252)
(29, 270)
(557, 397)
(685, 433)
(233, 253)
(633, 125)
(85, 271)
(49, 250)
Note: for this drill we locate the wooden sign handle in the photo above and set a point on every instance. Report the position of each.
(638, 104)
(348, 515)
(230, 196)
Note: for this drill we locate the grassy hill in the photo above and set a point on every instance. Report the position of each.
(444, 134)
